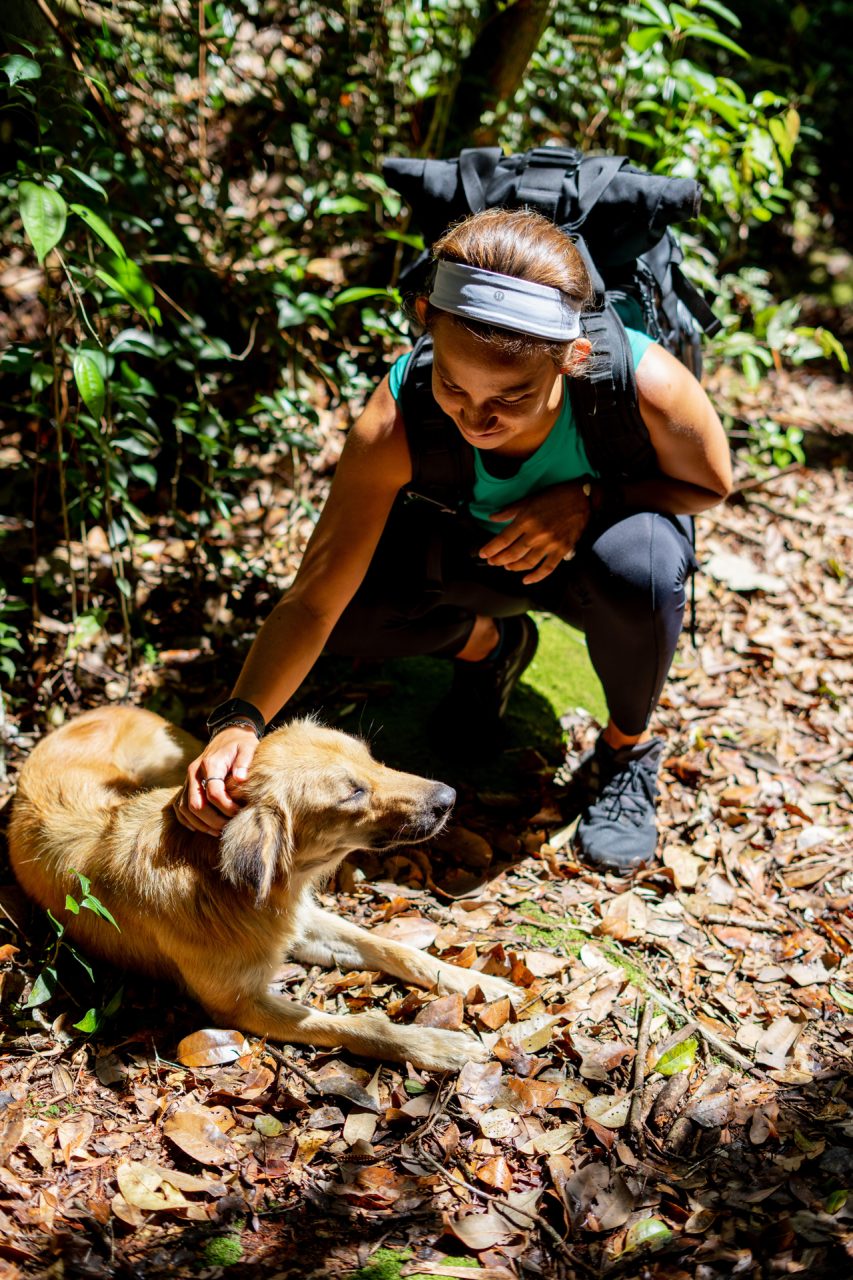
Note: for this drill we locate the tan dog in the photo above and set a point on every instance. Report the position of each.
(96, 797)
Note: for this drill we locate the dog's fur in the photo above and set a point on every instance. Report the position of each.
(219, 915)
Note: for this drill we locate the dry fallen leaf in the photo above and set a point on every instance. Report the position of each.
(414, 931)
(625, 918)
(211, 1048)
(74, 1133)
(480, 1231)
(447, 1012)
(477, 1084)
(198, 1135)
(143, 1187)
(495, 1173)
(608, 1110)
(359, 1126)
(597, 1199)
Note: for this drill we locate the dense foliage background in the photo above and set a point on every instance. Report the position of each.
(200, 253)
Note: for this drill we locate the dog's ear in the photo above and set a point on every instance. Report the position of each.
(255, 850)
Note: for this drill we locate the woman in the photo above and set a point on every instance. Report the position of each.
(503, 313)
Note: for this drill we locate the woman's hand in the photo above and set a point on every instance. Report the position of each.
(204, 803)
(544, 531)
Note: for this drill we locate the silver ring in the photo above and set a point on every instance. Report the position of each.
(204, 781)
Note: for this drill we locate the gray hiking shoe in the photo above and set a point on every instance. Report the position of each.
(617, 830)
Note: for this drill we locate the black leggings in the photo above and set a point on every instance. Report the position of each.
(624, 588)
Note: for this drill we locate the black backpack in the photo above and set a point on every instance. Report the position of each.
(620, 218)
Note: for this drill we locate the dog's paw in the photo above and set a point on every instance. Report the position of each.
(493, 988)
(454, 980)
(433, 1050)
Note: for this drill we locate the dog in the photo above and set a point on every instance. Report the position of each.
(219, 914)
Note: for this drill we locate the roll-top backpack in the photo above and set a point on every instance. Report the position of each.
(621, 219)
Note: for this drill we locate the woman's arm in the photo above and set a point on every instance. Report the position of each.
(687, 436)
(692, 453)
(374, 466)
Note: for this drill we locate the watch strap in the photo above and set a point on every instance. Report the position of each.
(236, 711)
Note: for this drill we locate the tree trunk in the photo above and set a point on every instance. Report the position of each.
(491, 74)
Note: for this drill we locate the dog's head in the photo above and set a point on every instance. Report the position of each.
(312, 796)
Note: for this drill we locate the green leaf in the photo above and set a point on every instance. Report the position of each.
(128, 281)
(98, 909)
(85, 882)
(90, 382)
(44, 215)
(842, 998)
(712, 36)
(648, 1231)
(72, 905)
(43, 988)
(357, 293)
(643, 40)
(18, 68)
(836, 1200)
(720, 9)
(679, 1058)
(660, 11)
(87, 180)
(101, 230)
(82, 961)
(114, 1003)
(340, 204)
(145, 472)
(300, 136)
(89, 1022)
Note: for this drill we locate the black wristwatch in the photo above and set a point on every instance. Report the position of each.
(236, 711)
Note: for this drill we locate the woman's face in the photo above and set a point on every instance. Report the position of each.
(497, 402)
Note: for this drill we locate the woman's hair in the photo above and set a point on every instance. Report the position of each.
(515, 242)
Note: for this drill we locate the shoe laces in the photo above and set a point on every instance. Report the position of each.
(628, 793)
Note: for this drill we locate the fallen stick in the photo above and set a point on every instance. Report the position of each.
(635, 1119)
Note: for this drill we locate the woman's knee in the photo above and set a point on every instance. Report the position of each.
(645, 555)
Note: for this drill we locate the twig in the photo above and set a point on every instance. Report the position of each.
(741, 922)
(506, 1210)
(758, 482)
(796, 516)
(712, 518)
(289, 1063)
(678, 1037)
(635, 1120)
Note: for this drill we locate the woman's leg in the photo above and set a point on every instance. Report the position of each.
(627, 592)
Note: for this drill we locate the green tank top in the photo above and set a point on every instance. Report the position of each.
(560, 457)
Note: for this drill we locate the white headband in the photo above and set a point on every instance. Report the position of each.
(504, 301)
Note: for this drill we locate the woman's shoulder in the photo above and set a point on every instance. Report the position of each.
(397, 372)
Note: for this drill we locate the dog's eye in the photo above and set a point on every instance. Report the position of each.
(355, 794)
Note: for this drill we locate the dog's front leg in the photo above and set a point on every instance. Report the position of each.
(264, 1013)
(327, 940)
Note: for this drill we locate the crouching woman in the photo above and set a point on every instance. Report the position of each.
(528, 524)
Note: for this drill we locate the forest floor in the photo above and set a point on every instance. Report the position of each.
(672, 1100)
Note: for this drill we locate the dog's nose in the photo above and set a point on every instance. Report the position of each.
(442, 798)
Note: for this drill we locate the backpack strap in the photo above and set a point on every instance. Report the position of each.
(476, 167)
(541, 183)
(606, 404)
(442, 461)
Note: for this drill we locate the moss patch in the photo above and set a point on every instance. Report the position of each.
(548, 934)
(223, 1251)
(571, 939)
(386, 1264)
(562, 672)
